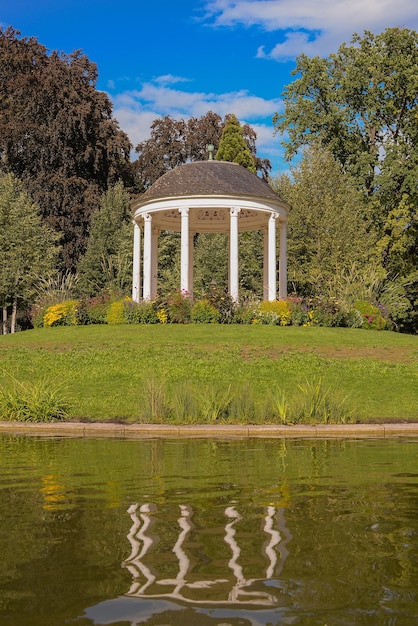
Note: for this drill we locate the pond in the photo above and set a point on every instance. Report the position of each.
(208, 532)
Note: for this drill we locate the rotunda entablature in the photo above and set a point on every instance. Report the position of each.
(210, 213)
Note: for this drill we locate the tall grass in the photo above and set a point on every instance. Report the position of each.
(219, 404)
(32, 402)
(322, 404)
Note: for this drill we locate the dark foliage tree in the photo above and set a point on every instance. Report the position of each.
(58, 136)
(175, 142)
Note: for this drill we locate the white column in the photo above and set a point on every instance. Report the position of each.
(184, 250)
(233, 255)
(265, 264)
(147, 282)
(191, 261)
(136, 274)
(283, 261)
(272, 257)
(154, 261)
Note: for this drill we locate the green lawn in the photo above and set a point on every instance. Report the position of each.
(107, 371)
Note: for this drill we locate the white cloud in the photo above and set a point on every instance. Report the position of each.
(312, 26)
(136, 110)
(169, 79)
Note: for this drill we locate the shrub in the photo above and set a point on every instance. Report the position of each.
(178, 306)
(61, 314)
(353, 319)
(36, 315)
(275, 312)
(371, 314)
(115, 313)
(50, 291)
(223, 302)
(94, 309)
(203, 312)
(144, 312)
(299, 311)
(325, 312)
(246, 313)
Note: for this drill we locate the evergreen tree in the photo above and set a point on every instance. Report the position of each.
(27, 248)
(233, 147)
(107, 262)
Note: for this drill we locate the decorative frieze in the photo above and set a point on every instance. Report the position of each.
(217, 215)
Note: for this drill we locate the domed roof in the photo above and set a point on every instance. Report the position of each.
(215, 178)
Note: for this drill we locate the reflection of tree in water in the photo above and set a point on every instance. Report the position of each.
(201, 576)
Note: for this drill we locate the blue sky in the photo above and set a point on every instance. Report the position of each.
(186, 57)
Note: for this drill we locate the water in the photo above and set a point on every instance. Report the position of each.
(202, 533)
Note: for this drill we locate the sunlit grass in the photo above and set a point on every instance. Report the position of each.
(107, 371)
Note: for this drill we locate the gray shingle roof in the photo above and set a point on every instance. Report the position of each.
(218, 178)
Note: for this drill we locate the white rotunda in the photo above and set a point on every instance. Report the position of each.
(208, 197)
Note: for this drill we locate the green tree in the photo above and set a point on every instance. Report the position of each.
(327, 230)
(233, 147)
(107, 263)
(175, 142)
(57, 135)
(362, 104)
(211, 262)
(27, 248)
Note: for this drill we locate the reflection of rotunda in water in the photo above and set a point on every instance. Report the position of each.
(220, 557)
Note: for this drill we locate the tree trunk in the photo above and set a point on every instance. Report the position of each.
(14, 313)
(5, 320)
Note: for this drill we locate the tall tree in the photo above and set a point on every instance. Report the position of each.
(58, 136)
(107, 262)
(174, 142)
(27, 248)
(362, 103)
(327, 231)
(233, 147)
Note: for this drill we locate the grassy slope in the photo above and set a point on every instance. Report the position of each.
(104, 367)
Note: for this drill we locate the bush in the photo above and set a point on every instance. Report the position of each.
(93, 310)
(62, 314)
(178, 307)
(203, 312)
(371, 314)
(299, 311)
(115, 313)
(141, 312)
(326, 311)
(275, 312)
(246, 313)
(223, 302)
